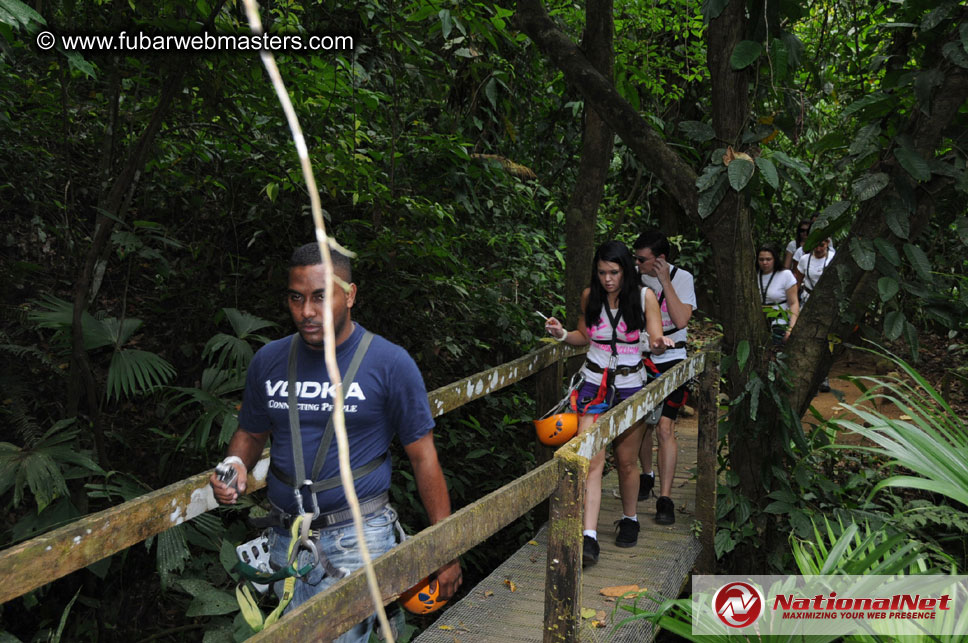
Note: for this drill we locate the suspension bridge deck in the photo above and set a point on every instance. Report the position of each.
(660, 562)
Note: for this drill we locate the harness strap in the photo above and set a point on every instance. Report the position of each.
(618, 370)
(297, 450)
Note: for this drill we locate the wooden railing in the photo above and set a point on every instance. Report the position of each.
(41, 560)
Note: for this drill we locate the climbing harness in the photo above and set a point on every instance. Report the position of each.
(605, 395)
(299, 539)
(305, 525)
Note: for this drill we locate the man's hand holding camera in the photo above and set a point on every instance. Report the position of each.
(229, 480)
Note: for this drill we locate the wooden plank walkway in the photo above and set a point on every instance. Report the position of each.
(661, 563)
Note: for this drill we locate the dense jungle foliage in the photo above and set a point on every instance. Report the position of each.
(150, 201)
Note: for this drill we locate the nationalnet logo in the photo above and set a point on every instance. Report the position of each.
(738, 604)
(823, 605)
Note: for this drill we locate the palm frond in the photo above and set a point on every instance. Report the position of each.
(57, 314)
(134, 371)
(245, 324)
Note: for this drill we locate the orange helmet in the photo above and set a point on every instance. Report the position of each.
(557, 429)
(422, 597)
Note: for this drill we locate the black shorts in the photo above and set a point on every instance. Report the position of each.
(677, 399)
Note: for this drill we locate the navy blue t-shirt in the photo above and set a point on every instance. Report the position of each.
(387, 398)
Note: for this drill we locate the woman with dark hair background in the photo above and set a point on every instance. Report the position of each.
(803, 231)
(612, 321)
(778, 292)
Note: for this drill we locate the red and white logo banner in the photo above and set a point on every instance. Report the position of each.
(889, 606)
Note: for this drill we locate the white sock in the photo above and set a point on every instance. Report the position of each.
(590, 533)
(635, 517)
(650, 474)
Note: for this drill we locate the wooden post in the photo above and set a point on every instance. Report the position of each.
(548, 392)
(707, 478)
(562, 616)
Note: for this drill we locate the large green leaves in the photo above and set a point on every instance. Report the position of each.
(932, 445)
(745, 54)
(40, 466)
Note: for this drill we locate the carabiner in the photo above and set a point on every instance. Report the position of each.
(297, 492)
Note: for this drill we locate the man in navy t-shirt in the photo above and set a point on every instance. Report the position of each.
(386, 398)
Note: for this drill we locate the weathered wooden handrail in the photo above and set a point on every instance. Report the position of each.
(45, 558)
(36, 562)
(563, 576)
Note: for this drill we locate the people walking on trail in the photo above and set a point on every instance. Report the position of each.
(809, 270)
(811, 266)
(676, 293)
(614, 315)
(288, 396)
(778, 293)
(803, 231)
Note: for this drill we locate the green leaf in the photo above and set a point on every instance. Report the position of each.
(955, 52)
(831, 141)
(913, 163)
(936, 17)
(745, 54)
(20, 12)
(77, 61)
(710, 175)
(897, 218)
(886, 288)
(871, 106)
(740, 172)
(709, 199)
(742, 354)
(793, 163)
(911, 335)
(919, 260)
(135, 371)
(833, 211)
(272, 191)
(893, 325)
(712, 8)
(961, 226)
(888, 251)
(779, 507)
(697, 131)
(867, 139)
(870, 185)
(446, 23)
(490, 90)
(207, 600)
(768, 170)
(862, 251)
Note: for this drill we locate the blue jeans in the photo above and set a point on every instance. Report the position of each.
(339, 545)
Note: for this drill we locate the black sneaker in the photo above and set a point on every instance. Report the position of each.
(646, 483)
(589, 551)
(825, 386)
(665, 511)
(628, 532)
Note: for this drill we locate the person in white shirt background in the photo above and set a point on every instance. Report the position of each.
(778, 291)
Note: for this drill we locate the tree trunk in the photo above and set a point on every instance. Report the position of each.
(596, 154)
(112, 208)
(842, 295)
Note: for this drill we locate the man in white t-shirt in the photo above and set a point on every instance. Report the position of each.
(677, 299)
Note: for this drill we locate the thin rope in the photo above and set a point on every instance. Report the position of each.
(339, 421)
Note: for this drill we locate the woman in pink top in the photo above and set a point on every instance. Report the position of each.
(612, 321)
